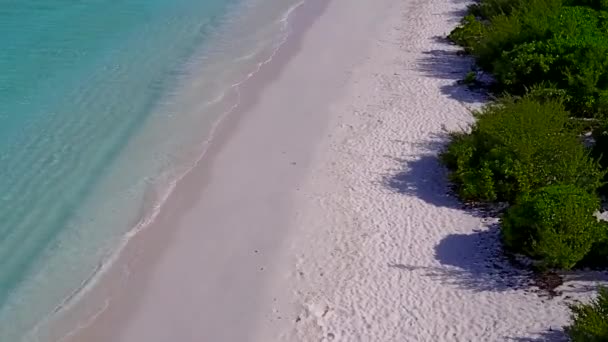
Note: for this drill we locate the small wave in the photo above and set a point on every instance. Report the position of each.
(152, 212)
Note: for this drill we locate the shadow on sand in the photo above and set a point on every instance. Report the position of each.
(423, 178)
(548, 336)
(473, 261)
(480, 262)
(448, 63)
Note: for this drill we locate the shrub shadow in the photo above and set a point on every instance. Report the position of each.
(476, 262)
(456, 16)
(583, 281)
(424, 178)
(548, 336)
(473, 261)
(451, 64)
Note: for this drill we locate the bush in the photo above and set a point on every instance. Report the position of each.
(595, 4)
(487, 39)
(516, 147)
(470, 79)
(590, 321)
(555, 225)
(573, 59)
(468, 34)
(600, 150)
(543, 41)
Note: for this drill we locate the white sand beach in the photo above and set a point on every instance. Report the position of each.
(321, 212)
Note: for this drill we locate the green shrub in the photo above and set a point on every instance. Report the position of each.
(488, 39)
(590, 321)
(573, 59)
(600, 150)
(516, 147)
(470, 79)
(545, 91)
(555, 225)
(468, 34)
(595, 4)
(543, 41)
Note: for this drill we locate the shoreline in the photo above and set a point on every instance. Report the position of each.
(134, 255)
(319, 211)
(182, 97)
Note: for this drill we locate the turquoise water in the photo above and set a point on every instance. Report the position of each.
(103, 102)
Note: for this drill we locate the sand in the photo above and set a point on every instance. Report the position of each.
(321, 212)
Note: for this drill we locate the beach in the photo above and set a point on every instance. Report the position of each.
(320, 211)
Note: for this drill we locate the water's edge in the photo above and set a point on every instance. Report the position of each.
(85, 302)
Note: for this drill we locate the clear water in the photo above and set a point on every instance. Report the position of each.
(103, 105)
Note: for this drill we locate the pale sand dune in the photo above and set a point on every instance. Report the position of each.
(323, 213)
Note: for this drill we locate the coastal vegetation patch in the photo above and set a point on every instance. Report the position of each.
(542, 146)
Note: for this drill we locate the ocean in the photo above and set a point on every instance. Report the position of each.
(104, 106)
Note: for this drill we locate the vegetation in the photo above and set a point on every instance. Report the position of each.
(550, 60)
(556, 225)
(590, 321)
(516, 147)
(600, 150)
(470, 79)
(559, 44)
